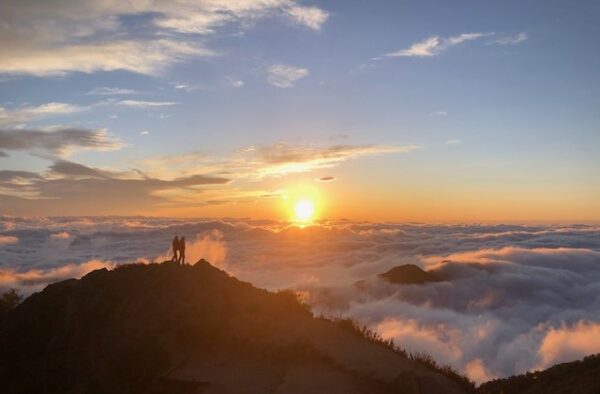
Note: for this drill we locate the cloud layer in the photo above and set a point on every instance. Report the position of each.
(513, 298)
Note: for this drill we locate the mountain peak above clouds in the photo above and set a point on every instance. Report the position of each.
(408, 274)
(169, 328)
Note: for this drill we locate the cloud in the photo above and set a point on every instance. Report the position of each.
(160, 183)
(63, 235)
(513, 297)
(10, 175)
(110, 91)
(74, 169)
(187, 87)
(512, 40)
(8, 240)
(478, 372)
(70, 188)
(273, 160)
(311, 17)
(145, 104)
(144, 132)
(149, 57)
(59, 141)
(283, 158)
(59, 37)
(453, 142)
(439, 113)
(435, 45)
(36, 279)
(568, 343)
(284, 76)
(26, 114)
(325, 179)
(234, 83)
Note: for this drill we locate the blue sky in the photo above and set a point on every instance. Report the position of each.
(399, 101)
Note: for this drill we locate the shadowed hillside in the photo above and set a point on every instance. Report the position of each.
(582, 377)
(166, 328)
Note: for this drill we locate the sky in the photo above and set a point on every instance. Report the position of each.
(431, 111)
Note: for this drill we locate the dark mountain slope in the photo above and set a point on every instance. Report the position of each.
(165, 328)
(582, 377)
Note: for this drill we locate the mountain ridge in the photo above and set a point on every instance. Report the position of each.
(162, 328)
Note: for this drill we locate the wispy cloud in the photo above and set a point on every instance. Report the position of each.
(68, 187)
(72, 187)
(234, 82)
(435, 45)
(453, 142)
(275, 160)
(439, 113)
(149, 57)
(285, 76)
(145, 104)
(57, 37)
(24, 114)
(283, 158)
(110, 91)
(186, 87)
(311, 17)
(512, 40)
(58, 141)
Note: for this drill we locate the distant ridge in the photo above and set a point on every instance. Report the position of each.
(166, 328)
(408, 274)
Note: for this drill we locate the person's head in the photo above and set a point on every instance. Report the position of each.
(175, 239)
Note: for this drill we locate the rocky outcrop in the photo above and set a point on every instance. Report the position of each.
(408, 274)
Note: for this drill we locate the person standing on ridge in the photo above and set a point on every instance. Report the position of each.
(175, 245)
(182, 250)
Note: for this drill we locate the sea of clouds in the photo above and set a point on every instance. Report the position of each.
(515, 297)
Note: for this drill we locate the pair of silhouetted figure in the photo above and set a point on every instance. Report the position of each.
(179, 250)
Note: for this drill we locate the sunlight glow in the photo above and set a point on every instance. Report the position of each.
(304, 210)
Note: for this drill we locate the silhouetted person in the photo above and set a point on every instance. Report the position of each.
(182, 250)
(175, 249)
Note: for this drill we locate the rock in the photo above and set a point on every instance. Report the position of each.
(408, 274)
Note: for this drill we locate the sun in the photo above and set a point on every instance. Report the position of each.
(304, 210)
